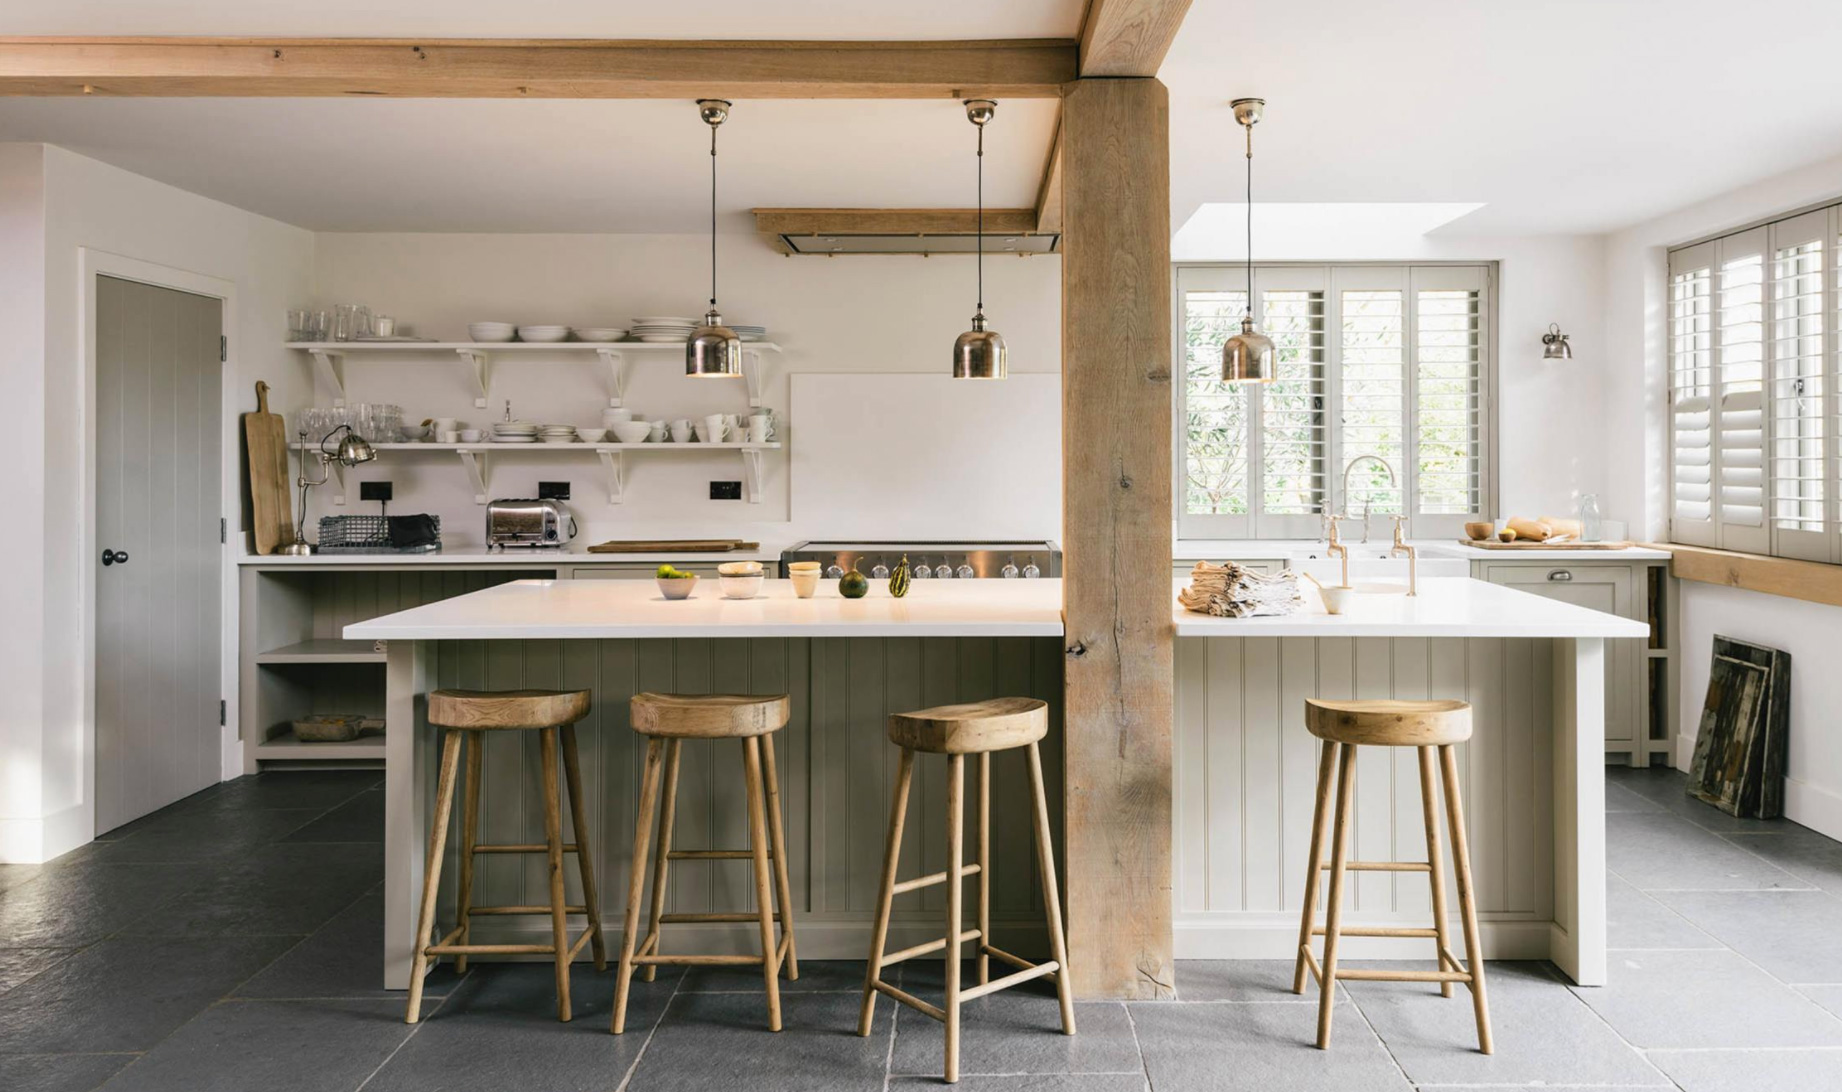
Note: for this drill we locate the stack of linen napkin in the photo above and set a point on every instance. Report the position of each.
(1235, 591)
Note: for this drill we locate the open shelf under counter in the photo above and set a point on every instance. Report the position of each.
(476, 459)
(324, 650)
(614, 356)
(286, 748)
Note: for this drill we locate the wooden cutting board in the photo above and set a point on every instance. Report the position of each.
(266, 436)
(1493, 544)
(672, 545)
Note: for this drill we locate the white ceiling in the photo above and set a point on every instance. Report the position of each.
(1555, 116)
(1558, 115)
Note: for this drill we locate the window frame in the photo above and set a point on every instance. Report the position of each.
(1332, 278)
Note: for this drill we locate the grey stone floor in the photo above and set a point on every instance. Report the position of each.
(228, 944)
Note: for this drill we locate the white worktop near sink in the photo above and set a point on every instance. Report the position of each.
(1216, 549)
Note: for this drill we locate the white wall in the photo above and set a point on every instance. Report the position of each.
(89, 204)
(1636, 263)
(847, 314)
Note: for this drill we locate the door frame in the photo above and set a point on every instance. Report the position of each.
(91, 264)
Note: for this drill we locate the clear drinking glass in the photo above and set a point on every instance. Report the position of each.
(345, 321)
(297, 324)
(319, 324)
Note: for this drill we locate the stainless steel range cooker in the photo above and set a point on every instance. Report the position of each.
(932, 560)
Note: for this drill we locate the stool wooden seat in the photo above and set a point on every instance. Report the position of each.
(464, 715)
(667, 720)
(1433, 728)
(975, 728)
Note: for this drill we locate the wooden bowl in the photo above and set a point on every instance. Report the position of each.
(1477, 532)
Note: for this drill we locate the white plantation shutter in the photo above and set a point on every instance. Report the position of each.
(1691, 395)
(1449, 335)
(1213, 485)
(1739, 394)
(1371, 342)
(1795, 394)
(1292, 448)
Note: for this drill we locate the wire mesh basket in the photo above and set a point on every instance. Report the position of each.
(367, 535)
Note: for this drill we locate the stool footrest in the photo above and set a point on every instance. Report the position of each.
(714, 855)
(502, 911)
(700, 960)
(1380, 866)
(522, 847)
(910, 1000)
(1036, 971)
(931, 879)
(1365, 974)
(1379, 931)
(690, 919)
(926, 947)
(1000, 954)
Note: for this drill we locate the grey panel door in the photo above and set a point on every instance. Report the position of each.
(158, 480)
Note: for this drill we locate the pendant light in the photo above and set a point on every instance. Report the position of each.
(979, 353)
(1554, 344)
(714, 349)
(1247, 357)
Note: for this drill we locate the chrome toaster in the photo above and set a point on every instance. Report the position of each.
(538, 524)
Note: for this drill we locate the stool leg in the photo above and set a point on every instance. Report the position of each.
(1429, 811)
(431, 875)
(668, 813)
(764, 897)
(1052, 895)
(777, 833)
(585, 864)
(984, 852)
(551, 773)
(1333, 918)
(885, 898)
(1467, 898)
(470, 836)
(1320, 819)
(956, 819)
(636, 881)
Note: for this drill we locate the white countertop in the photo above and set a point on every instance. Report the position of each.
(478, 556)
(1217, 549)
(1445, 607)
(589, 609)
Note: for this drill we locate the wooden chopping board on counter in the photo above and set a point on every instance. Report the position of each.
(265, 435)
(1494, 544)
(673, 546)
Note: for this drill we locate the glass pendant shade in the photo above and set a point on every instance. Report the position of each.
(714, 350)
(979, 353)
(1247, 357)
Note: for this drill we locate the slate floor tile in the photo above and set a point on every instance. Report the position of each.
(126, 994)
(1802, 852)
(1636, 919)
(1658, 1000)
(499, 1032)
(1828, 996)
(341, 959)
(1791, 934)
(58, 1072)
(1215, 1048)
(296, 1046)
(1751, 1070)
(202, 835)
(1030, 1082)
(1542, 1033)
(19, 964)
(1017, 1032)
(78, 904)
(815, 976)
(12, 875)
(715, 1040)
(360, 819)
(323, 789)
(1248, 980)
(276, 889)
(1618, 797)
(1667, 789)
(1662, 852)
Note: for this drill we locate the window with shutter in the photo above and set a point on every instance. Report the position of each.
(1739, 411)
(1448, 396)
(1691, 395)
(1214, 416)
(1372, 424)
(1798, 466)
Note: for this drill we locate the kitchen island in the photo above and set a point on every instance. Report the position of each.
(1532, 667)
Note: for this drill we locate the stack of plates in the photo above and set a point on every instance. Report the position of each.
(749, 333)
(514, 432)
(543, 333)
(663, 328)
(559, 434)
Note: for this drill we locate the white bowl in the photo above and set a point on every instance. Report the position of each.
(415, 433)
(470, 435)
(740, 587)
(679, 588)
(592, 435)
(632, 432)
(491, 331)
(543, 333)
(599, 333)
(739, 568)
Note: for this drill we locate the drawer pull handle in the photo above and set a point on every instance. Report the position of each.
(1560, 576)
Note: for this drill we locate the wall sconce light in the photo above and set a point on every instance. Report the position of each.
(1554, 344)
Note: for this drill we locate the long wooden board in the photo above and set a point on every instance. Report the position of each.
(266, 436)
(1812, 581)
(1494, 544)
(672, 545)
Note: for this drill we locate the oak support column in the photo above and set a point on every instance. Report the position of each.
(1116, 535)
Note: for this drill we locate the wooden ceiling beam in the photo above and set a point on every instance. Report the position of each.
(1049, 192)
(893, 221)
(508, 68)
(1128, 37)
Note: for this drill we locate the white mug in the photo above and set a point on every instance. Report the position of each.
(717, 426)
(446, 424)
(658, 432)
(760, 428)
(681, 432)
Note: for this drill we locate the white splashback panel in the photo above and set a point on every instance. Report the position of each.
(927, 456)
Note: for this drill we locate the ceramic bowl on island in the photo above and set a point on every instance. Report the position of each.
(740, 579)
(676, 587)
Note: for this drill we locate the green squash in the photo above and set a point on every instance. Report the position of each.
(853, 585)
(898, 579)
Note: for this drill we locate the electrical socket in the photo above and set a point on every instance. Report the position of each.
(552, 490)
(375, 491)
(725, 490)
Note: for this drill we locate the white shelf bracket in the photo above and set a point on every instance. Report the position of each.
(329, 365)
(751, 374)
(482, 372)
(616, 363)
(614, 464)
(475, 462)
(751, 467)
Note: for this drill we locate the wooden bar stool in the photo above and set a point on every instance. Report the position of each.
(1427, 726)
(466, 715)
(976, 728)
(667, 720)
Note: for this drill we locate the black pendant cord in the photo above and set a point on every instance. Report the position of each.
(712, 217)
(981, 219)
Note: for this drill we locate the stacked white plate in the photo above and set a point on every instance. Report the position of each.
(543, 333)
(663, 328)
(558, 434)
(514, 432)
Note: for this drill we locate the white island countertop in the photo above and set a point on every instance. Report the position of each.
(1445, 607)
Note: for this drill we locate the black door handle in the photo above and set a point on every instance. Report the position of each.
(114, 557)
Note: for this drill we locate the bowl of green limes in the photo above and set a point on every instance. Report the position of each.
(674, 583)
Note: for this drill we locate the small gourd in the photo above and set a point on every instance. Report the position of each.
(898, 579)
(852, 585)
